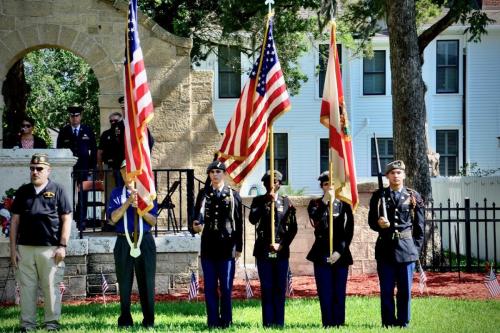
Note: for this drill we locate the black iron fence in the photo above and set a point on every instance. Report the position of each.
(462, 237)
(176, 196)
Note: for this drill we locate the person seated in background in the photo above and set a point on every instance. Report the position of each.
(25, 137)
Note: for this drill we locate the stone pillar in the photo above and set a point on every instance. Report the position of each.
(14, 170)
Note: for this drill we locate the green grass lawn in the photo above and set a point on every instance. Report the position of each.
(431, 314)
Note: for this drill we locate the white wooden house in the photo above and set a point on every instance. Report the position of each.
(462, 102)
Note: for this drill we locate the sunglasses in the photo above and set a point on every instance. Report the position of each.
(112, 121)
(216, 171)
(325, 184)
(38, 169)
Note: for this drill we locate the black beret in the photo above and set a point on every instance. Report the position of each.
(75, 109)
(324, 177)
(277, 176)
(398, 164)
(121, 99)
(216, 165)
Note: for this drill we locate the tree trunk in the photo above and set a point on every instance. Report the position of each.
(408, 103)
(15, 93)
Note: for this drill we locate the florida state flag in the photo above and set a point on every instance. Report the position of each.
(334, 117)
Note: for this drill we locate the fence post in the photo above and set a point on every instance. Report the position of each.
(190, 197)
(468, 255)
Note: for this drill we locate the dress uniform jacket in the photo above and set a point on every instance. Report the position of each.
(112, 146)
(223, 222)
(285, 224)
(343, 229)
(83, 146)
(402, 241)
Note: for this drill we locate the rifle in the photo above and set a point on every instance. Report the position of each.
(379, 176)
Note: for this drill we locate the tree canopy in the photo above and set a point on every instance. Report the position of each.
(57, 79)
(241, 24)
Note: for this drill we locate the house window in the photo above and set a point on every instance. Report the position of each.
(280, 155)
(323, 154)
(374, 74)
(447, 66)
(323, 62)
(386, 152)
(229, 72)
(447, 147)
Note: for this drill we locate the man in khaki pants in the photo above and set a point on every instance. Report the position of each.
(40, 229)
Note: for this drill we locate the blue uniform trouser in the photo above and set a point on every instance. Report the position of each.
(331, 281)
(273, 275)
(218, 273)
(392, 275)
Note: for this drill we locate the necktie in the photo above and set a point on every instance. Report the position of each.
(75, 132)
(396, 195)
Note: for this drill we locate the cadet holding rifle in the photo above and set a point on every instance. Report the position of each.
(399, 220)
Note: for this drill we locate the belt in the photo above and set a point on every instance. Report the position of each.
(131, 234)
(407, 234)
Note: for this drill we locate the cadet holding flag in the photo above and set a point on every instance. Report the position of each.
(133, 207)
(401, 234)
(132, 256)
(331, 270)
(219, 219)
(272, 253)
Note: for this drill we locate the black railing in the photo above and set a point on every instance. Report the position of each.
(461, 238)
(175, 196)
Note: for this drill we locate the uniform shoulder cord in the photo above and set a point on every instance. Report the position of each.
(231, 195)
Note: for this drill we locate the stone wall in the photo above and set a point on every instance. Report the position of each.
(362, 245)
(177, 257)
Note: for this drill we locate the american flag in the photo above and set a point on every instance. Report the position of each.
(138, 113)
(262, 100)
(193, 287)
(248, 287)
(104, 284)
(62, 289)
(18, 294)
(491, 283)
(422, 280)
(289, 283)
(334, 117)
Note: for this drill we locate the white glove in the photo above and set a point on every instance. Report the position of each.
(334, 257)
(328, 196)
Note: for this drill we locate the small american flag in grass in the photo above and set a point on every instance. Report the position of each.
(62, 289)
(248, 287)
(491, 283)
(18, 294)
(289, 283)
(104, 283)
(193, 287)
(422, 280)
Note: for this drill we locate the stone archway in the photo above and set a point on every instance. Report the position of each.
(184, 128)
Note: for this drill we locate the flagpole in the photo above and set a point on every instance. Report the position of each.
(271, 179)
(271, 131)
(127, 52)
(103, 291)
(330, 206)
(330, 163)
